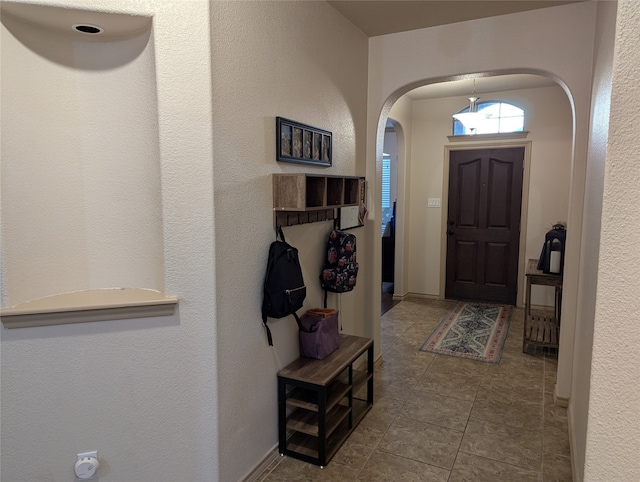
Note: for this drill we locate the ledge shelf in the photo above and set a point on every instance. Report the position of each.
(89, 305)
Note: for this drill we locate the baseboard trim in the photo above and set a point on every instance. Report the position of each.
(560, 401)
(261, 466)
(576, 474)
(422, 295)
(377, 362)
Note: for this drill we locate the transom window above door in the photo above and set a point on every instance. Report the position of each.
(499, 117)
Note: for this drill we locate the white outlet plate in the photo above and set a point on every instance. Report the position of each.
(93, 454)
(434, 202)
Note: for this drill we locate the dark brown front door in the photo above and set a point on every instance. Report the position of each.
(483, 224)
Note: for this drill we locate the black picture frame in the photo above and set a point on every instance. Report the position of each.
(302, 144)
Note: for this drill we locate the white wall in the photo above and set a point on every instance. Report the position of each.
(613, 431)
(305, 62)
(81, 191)
(548, 120)
(402, 114)
(579, 402)
(142, 392)
(524, 42)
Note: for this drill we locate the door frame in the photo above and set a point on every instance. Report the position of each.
(477, 145)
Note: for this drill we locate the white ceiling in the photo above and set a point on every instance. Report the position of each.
(381, 17)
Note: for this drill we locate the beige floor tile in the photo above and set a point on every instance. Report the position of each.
(554, 415)
(292, 470)
(450, 364)
(556, 468)
(517, 360)
(556, 440)
(511, 445)
(407, 354)
(411, 368)
(417, 333)
(383, 412)
(388, 391)
(359, 446)
(512, 388)
(385, 467)
(500, 408)
(387, 340)
(423, 442)
(513, 384)
(394, 328)
(471, 468)
(392, 384)
(438, 410)
(454, 385)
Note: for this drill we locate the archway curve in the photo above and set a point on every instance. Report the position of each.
(564, 382)
(395, 96)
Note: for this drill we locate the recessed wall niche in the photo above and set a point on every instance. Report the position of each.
(80, 194)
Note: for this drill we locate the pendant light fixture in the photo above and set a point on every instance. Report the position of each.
(472, 119)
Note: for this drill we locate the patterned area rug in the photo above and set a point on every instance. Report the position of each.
(471, 330)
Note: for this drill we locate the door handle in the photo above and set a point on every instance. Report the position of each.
(451, 232)
(451, 222)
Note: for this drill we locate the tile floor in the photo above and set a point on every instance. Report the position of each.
(439, 418)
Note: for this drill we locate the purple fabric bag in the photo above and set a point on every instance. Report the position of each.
(319, 337)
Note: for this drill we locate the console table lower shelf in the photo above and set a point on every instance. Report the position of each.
(541, 330)
(317, 403)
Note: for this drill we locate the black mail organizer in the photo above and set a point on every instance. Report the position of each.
(317, 403)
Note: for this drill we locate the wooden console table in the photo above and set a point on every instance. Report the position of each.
(317, 407)
(541, 330)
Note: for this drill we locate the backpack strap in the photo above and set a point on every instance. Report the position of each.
(264, 321)
(280, 233)
(295, 315)
(269, 337)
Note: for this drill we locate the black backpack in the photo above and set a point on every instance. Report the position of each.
(340, 267)
(284, 289)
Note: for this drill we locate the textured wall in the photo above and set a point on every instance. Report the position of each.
(142, 392)
(579, 402)
(80, 172)
(613, 433)
(402, 114)
(305, 62)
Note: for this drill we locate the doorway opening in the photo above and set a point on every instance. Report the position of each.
(388, 210)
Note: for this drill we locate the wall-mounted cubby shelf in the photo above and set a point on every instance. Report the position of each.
(306, 198)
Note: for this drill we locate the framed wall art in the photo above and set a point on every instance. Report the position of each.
(302, 144)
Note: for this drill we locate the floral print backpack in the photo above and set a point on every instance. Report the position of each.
(340, 267)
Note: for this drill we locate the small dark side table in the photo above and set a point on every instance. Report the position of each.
(541, 330)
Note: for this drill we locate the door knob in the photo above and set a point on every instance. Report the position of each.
(451, 232)
(451, 222)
